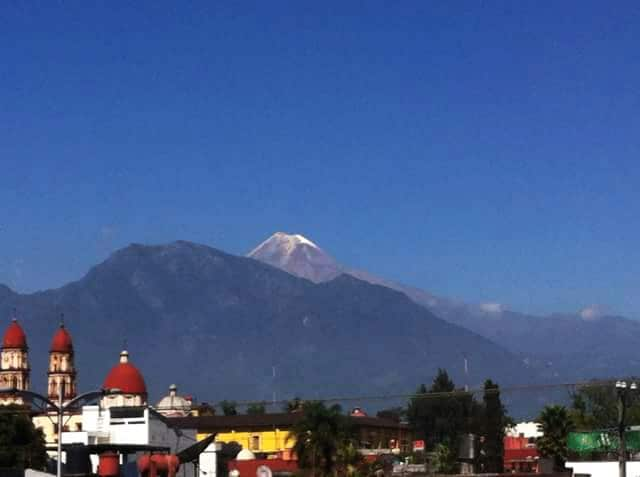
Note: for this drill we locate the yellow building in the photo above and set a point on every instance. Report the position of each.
(262, 434)
(268, 434)
(49, 425)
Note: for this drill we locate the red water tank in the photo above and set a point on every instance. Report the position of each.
(158, 464)
(143, 463)
(109, 464)
(173, 464)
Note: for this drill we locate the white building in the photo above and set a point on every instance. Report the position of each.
(123, 419)
(173, 405)
(603, 468)
(524, 429)
(139, 425)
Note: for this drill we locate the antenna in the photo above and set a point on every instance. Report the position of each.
(273, 370)
(466, 372)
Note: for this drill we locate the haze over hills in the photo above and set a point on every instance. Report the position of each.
(228, 327)
(561, 346)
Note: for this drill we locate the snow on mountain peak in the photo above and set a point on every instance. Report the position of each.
(298, 255)
(292, 240)
(283, 243)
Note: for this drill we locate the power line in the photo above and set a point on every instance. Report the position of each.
(427, 395)
(457, 392)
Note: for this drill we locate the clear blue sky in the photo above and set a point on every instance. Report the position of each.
(482, 150)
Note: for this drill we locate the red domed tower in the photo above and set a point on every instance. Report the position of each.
(126, 384)
(14, 362)
(61, 366)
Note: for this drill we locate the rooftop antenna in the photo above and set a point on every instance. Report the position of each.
(466, 372)
(61, 320)
(273, 369)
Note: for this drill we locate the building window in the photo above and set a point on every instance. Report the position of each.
(254, 444)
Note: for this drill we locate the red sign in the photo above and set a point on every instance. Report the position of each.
(418, 446)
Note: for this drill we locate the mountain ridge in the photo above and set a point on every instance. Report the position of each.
(218, 323)
(576, 344)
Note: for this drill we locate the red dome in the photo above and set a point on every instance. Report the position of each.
(61, 342)
(14, 337)
(125, 377)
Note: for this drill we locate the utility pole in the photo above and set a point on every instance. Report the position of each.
(273, 383)
(466, 372)
(622, 390)
(60, 411)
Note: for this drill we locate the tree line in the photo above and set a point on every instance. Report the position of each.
(326, 441)
(443, 421)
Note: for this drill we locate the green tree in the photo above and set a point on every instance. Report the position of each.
(494, 421)
(348, 457)
(21, 444)
(596, 407)
(205, 409)
(419, 413)
(322, 438)
(229, 408)
(444, 460)
(555, 424)
(294, 405)
(439, 417)
(255, 409)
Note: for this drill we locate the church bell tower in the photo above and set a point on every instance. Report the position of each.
(14, 363)
(61, 376)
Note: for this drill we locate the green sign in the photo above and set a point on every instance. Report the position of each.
(602, 441)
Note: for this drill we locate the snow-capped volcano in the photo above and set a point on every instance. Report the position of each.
(566, 340)
(297, 255)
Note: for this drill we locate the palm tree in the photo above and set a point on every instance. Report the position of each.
(322, 439)
(348, 457)
(555, 424)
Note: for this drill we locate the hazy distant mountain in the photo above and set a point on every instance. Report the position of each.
(222, 326)
(578, 346)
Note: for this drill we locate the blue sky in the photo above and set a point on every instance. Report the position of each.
(481, 150)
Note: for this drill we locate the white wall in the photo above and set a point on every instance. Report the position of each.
(90, 415)
(99, 426)
(603, 469)
(36, 473)
(208, 460)
(528, 429)
(161, 434)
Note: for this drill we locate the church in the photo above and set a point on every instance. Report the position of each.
(15, 370)
(121, 419)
